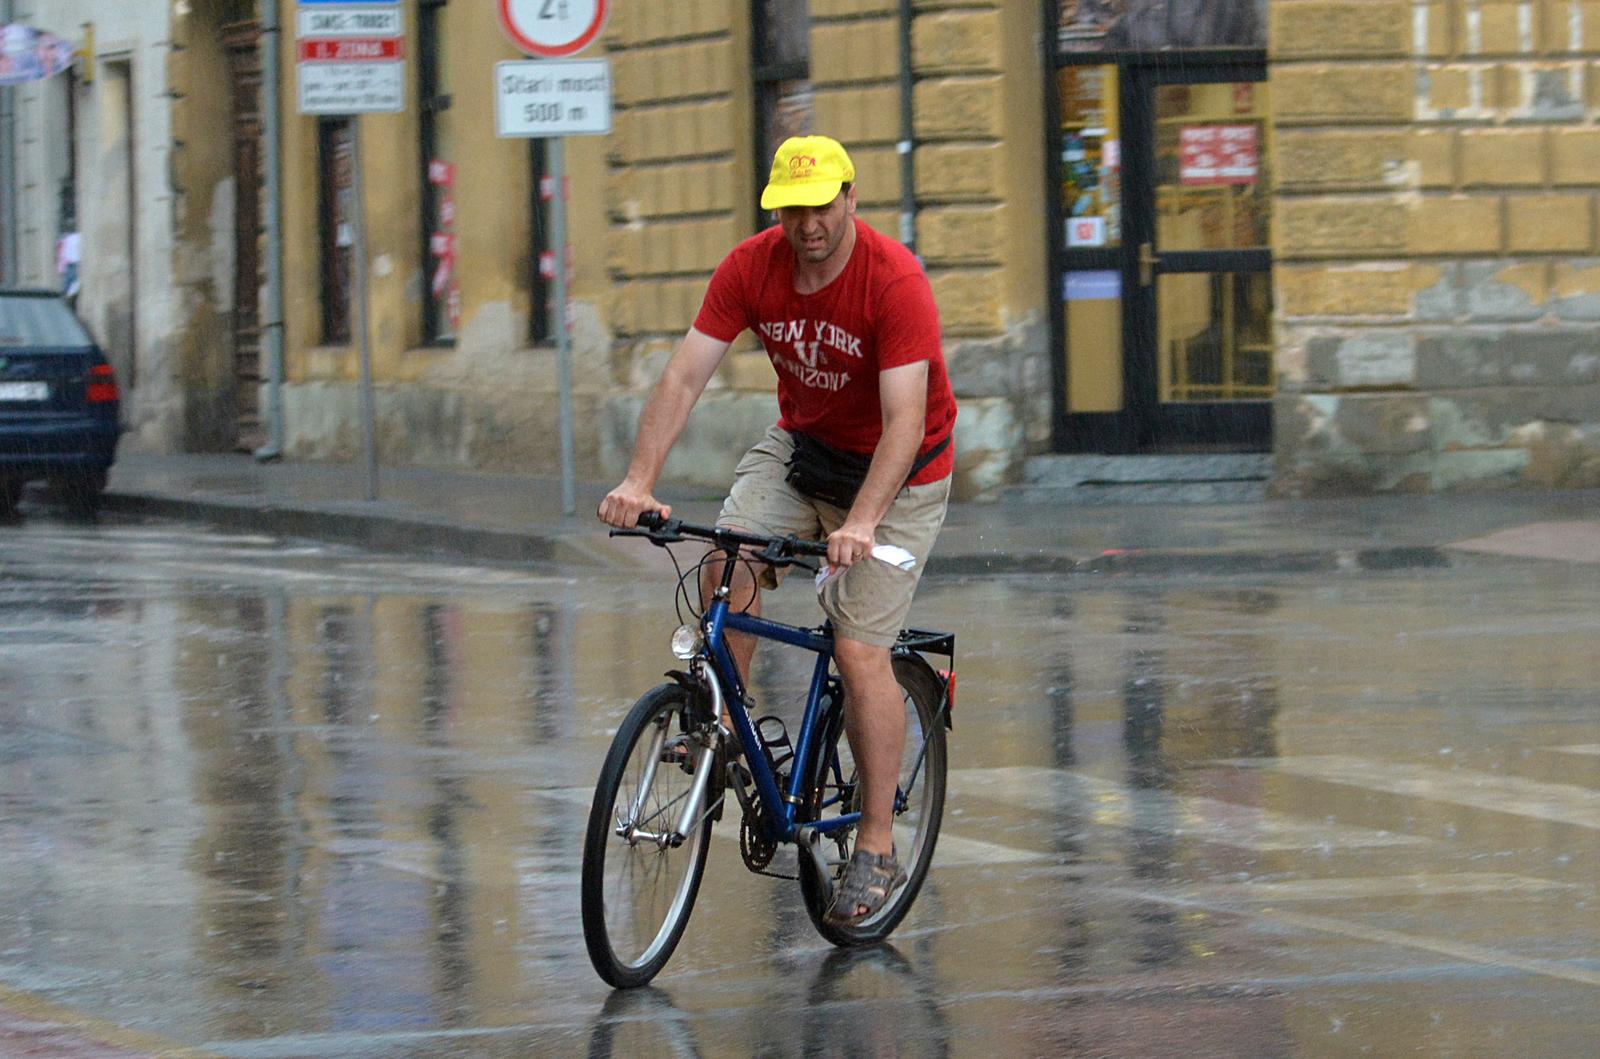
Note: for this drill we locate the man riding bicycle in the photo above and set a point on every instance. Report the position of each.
(861, 450)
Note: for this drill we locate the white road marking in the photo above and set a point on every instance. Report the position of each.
(1591, 749)
(1557, 802)
(1205, 819)
(1422, 885)
(1458, 949)
(952, 851)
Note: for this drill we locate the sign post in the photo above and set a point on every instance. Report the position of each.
(350, 60)
(550, 100)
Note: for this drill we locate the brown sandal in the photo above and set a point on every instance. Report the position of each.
(864, 888)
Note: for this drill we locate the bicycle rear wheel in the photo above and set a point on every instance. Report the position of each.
(638, 887)
(832, 791)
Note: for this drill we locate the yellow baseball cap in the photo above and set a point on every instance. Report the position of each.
(807, 171)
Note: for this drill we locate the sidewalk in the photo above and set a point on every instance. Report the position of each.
(518, 518)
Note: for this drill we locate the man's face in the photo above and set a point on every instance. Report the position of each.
(815, 232)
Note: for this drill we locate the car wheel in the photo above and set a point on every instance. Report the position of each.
(10, 496)
(82, 492)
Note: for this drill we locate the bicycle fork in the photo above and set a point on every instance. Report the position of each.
(694, 806)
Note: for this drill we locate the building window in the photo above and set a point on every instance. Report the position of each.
(781, 65)
(441, 302)
(335, 223)
(542, 185)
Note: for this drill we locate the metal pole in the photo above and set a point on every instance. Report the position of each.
(558, 233)
(369, 414)
(272, 297)
(908, 132)
(8, 174)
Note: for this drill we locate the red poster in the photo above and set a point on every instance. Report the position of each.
(1218, 154)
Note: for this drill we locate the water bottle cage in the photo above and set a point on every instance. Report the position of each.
(774, 736)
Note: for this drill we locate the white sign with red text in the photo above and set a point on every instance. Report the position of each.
(1217, 154)
(350, 57)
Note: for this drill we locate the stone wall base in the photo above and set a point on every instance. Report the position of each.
(1446, 441)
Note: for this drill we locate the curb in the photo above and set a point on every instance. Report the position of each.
(1194, 564)
(394, 533)
(378, 532)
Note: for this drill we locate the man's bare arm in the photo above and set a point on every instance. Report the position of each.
(665, 413)
(903, 393)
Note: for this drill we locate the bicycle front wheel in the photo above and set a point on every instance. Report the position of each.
(833, 791)
(639, 882)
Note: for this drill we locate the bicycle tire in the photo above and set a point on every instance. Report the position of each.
(622, 954)
(923, 692)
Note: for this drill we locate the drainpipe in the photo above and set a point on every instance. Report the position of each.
(272, 147)
(908, 135)
(8, 173)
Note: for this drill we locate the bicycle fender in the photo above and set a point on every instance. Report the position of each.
(688, 682)
(941, 680)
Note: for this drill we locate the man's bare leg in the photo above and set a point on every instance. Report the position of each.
(743, 595)
(875, 723)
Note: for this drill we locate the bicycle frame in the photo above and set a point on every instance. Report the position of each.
(713, 665)
(784, 805)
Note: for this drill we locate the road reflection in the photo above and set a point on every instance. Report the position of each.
(339, 809)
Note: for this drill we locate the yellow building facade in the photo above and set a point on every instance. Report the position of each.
(652, 209)
(1358, 237)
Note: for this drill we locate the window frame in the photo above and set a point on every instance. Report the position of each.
(540, 288)
(768, 73)
(436, 330)
(334, 261)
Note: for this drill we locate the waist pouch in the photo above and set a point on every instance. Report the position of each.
(833, 476)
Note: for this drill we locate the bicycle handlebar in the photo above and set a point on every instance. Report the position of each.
(664, 531)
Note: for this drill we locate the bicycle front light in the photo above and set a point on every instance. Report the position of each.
(686, 642)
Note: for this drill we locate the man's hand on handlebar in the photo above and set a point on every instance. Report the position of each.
(624, 504)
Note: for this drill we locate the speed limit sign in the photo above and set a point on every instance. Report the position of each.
(551, 29)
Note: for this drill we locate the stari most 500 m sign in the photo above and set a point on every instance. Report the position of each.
(538, 99)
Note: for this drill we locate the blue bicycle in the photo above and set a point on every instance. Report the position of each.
(672, 763)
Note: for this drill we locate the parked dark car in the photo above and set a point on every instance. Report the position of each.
(58, 402)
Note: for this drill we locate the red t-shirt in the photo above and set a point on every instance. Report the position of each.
(828, 347)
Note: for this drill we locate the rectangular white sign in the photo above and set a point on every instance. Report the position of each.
(24, 391)
(349, 22)
(1086, 231)
(350, 57)
(539, 98)
(352, 88)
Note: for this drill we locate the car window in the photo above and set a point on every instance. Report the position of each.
(27, 321)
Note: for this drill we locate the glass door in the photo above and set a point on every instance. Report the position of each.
(1089, 258)
(1162, 259)
(1199, 311)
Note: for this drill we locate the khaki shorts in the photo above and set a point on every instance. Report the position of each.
(869, 601)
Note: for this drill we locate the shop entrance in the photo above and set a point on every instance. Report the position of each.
(1162, 252)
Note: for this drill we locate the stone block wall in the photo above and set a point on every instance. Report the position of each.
(1437, 255)
(683, 176)
(679, 163)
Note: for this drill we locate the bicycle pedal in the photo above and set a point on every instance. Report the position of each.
(680, 751)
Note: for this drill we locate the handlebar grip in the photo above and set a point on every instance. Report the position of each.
(651, 520)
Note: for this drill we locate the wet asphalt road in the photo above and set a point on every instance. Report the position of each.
(266, 799)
